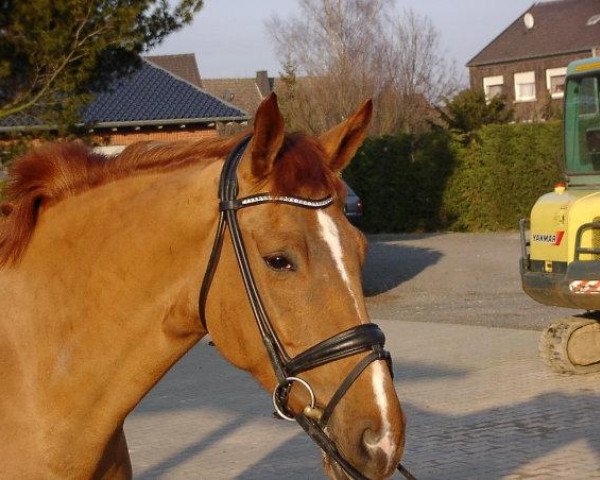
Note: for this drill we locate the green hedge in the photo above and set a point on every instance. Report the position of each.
(401, 181)
(499, 176)
(434, 181)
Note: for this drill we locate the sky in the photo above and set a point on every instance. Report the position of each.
(230, 39)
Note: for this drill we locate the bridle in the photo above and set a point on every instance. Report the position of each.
(361, 338)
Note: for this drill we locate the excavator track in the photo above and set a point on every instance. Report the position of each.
(572, 345)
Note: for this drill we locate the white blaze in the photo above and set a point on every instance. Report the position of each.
(386, 441)
(331, 235)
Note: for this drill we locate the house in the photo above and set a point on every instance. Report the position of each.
(151, 104)
(245, 93)
(182, 65)
(528, 61)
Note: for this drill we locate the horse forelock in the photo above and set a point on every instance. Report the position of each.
(301, 169)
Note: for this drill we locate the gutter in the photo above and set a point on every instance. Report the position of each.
(135, 123)
(529, 57)
(178, 121)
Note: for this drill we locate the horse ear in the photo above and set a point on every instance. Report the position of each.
(268, 136)
(342, 141)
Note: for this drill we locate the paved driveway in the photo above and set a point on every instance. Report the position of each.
(480, 404)
(453, 278)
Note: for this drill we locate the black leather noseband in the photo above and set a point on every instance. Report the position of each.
(359, 339)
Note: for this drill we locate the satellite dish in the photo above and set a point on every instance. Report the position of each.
(528, 21)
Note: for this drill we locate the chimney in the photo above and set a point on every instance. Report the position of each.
(263, 83)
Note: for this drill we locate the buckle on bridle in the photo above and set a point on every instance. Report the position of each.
(225, 205)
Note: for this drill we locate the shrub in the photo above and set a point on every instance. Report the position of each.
(400, 180)
(434, 181)
(499, 177)
(469, 111)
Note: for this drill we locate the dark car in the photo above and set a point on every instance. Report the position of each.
(353, 207)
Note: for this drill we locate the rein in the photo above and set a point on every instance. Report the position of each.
(361, 338)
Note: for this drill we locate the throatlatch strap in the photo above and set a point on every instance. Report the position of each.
(224, 186)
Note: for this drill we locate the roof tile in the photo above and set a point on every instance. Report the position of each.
(150, 94)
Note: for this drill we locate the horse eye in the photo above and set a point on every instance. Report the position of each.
(280, 263)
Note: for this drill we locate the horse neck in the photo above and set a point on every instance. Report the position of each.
(106, 298)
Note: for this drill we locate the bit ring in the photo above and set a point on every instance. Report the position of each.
(288, 381)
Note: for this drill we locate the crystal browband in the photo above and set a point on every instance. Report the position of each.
(266, 198)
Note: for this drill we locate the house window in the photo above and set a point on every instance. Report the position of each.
(555, 80)
(525, 87)
(493, 86)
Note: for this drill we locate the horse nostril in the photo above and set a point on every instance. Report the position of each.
(380, 447)
(370, 439)
(376, 439)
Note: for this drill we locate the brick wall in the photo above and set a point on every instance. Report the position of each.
(532, 110)
(129, 136)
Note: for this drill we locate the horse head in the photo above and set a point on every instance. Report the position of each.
(306, 265)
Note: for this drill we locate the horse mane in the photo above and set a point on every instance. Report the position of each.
(55, 171)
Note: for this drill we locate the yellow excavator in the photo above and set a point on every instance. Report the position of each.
(560, 243)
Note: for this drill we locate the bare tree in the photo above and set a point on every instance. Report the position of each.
(420, 73)
(332, 47)
(336, 53)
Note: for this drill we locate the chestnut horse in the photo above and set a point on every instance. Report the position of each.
(101, 263)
